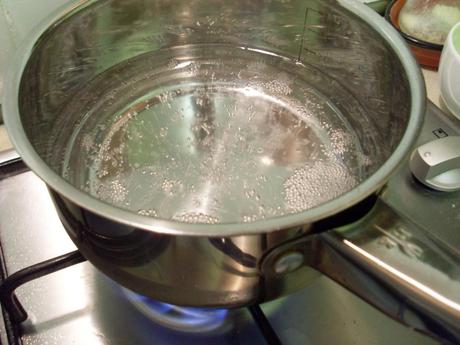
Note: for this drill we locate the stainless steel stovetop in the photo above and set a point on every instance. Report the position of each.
(79, 305)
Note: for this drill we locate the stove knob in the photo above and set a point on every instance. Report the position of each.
(437, 164)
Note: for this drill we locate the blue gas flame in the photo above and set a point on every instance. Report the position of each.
(179, 318)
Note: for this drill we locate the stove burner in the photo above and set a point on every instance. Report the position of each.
(184, 319)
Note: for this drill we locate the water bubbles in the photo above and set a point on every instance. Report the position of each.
(196, 218)
(250, 193)
(200, 101)
(278, 87)
(250, 218)
(364, 160)
(231, 136)
(171, 187)
(165, 97)
(87, 142)
(341, 141)
(163, 132)
(148, 212)
(315, 184)
(261, 179)
(114, 191)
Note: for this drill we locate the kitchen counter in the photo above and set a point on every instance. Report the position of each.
(432, 87)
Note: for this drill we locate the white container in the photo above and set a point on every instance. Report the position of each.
(449, 71)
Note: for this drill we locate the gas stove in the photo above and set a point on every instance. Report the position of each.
(79, 305)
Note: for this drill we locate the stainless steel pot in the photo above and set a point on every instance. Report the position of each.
(331, 100)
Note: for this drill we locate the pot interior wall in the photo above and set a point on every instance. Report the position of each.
(191, 109)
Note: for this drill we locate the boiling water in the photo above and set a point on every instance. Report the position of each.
(209, 134)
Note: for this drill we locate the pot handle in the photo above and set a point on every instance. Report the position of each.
(394, 265)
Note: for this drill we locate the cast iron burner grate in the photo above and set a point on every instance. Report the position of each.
(198, 320)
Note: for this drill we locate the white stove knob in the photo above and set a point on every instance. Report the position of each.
(437, 164)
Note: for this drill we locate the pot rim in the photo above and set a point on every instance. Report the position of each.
(75, 195)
